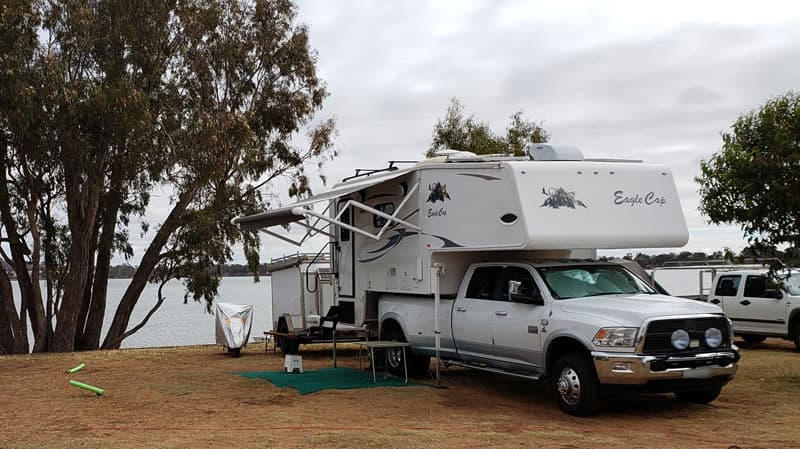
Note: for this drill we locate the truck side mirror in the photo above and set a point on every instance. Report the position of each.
(515, 295)
(772, 293)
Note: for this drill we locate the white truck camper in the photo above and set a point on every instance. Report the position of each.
(490, 263)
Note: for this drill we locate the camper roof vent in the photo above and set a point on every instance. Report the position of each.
(547, 152)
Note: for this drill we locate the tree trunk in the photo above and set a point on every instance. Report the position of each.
(13, 338)
(82, 205)
(90, 338)
(116, 333)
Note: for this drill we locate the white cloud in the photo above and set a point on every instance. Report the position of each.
(643, 80)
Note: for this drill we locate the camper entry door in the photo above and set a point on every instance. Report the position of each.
(345, 255)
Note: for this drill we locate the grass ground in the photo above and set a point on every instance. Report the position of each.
(185, 397)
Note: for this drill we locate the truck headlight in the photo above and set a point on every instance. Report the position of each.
(616, 336)
(713, 337)
(680, 339)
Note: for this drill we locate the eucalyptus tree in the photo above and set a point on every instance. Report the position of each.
(456, 131)
(754, 180)
(201, 101)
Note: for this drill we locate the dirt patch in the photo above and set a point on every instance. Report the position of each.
(186, 397)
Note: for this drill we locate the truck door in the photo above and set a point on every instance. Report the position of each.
(763, 313)
(517, 323)
(473, 313)
(726, 295)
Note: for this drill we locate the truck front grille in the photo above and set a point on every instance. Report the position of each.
(658, 339)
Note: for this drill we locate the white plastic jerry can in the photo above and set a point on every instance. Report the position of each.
(293, 363)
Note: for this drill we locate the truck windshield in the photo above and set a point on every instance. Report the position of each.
(591, 280)
(792, 284)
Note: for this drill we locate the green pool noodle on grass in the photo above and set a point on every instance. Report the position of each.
(93, 389)
(76, 369)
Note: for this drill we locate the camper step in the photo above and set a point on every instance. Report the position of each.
(493, 370)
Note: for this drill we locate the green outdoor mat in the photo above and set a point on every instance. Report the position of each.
(325, 379)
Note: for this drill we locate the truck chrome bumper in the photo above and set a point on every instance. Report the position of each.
(631, 369)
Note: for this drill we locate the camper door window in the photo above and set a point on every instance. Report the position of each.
(591, 280)
(344, 234)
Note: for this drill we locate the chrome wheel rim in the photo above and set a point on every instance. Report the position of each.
(569, 386)
(395, 357)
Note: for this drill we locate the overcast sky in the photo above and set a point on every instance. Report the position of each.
(628, 79)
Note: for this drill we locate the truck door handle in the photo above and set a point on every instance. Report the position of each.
(461, 309)
(745, 303)
(501, 313)
(715, 301)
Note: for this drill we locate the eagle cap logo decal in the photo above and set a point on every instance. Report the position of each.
(438, 192)
(557, 197)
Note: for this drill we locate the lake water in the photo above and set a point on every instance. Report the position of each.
(179, 324)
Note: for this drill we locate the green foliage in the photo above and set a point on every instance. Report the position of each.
(754, 180)
(456, 132)
(103, 103)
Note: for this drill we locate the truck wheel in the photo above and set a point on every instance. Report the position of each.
(700, 396)
(417, 365)
(795, 334)
(575, 385)
(753, 339)
(237, 352)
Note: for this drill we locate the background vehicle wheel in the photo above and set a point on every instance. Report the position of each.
(417, 365)
(700, 396)
(237, 352)
(753, 339)
(795, 335)
(575, 385)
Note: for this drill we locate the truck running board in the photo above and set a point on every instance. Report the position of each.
(493, 370)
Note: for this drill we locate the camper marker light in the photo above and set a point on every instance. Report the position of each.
(713, 337)
(615, 336)
(680, 339)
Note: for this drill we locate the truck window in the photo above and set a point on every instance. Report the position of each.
(792, 283)
(483, 284)
(527, 286)
(755, 286)
(728, 285)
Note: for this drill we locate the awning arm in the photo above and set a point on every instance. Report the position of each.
(312, 230)
(389, 218)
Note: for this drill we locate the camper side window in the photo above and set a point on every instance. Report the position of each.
(483, 284)
(386, 208)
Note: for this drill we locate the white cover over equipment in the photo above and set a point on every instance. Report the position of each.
(233, 323)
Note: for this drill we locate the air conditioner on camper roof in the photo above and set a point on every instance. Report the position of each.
(547, 152)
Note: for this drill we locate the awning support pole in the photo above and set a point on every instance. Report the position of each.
(438, 269)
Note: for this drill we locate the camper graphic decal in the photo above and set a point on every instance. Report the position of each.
(396, 238)
(438, 192)
(557, 197)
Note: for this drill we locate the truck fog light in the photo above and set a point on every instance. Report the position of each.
(621, 367)
(713, 337)
(680, 339)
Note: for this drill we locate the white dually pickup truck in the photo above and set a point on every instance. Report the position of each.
(756, 310)
(586, 326)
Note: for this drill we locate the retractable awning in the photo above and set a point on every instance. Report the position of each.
(299, 210)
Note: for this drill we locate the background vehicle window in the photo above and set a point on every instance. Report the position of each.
(792, 283)
(386, 208)
(527, 286)
(755, 286)
(728, 285)
(483, 284)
